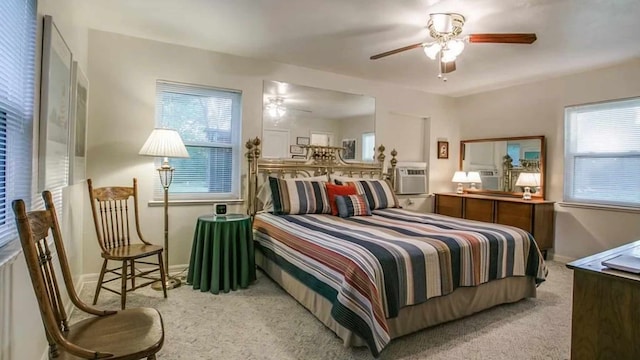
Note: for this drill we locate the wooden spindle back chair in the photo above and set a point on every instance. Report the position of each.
(115, 216)
(127, 334)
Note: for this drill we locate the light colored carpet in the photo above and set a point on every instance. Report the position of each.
(263, 322)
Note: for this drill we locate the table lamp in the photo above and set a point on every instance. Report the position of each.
(473, 177)
(165, 143)
(459, 177)
(527, 180)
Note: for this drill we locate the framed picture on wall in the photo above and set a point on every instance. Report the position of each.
(349, 146)
(295, 149)
(78, 131)
(443, 149)
(55, 104)
(302, 140)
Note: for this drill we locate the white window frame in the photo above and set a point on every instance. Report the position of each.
(570, 157)
(235, 146)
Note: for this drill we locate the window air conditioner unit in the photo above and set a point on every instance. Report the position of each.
(411, 178)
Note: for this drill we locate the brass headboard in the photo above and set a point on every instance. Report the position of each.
(319, 160)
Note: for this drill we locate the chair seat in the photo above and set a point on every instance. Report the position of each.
(133, 251)
(129, 334)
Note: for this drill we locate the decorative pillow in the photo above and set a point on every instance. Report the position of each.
(333, 190)
(265, 197)
(352, 205)
(293, 196)
(377, 192)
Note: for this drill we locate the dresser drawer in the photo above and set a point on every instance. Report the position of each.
(478, 209)
(449, 205)
(519, 215)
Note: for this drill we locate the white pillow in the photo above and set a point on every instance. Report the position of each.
(264, 192)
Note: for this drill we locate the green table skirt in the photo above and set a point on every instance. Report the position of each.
(222, 255)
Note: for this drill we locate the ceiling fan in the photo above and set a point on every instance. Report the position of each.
(445, 29)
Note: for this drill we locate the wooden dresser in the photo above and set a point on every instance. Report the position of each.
(605, 322)
(534, 216)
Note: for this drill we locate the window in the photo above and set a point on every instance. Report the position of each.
(17, 56)
(208, 120)
(602, 153)
(513, 150)
(368, 146)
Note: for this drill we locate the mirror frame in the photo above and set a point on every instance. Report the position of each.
(543, 161)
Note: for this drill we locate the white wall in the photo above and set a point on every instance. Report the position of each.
(123, 72)
(538, 109)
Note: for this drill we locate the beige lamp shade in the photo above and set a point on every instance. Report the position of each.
(164, 143)
(459, 177)
(474, 177)
(528, 179)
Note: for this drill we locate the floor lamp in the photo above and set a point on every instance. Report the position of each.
(165, 143)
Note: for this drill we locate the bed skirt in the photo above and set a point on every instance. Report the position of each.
(461, 302)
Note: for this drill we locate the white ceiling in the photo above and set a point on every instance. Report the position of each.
(340, 35)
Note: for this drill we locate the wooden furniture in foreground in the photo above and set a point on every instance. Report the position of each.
(534, 216)
(110, 207)
(127, 334)
(606, 308)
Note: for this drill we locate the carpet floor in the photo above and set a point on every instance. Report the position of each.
(263, 322)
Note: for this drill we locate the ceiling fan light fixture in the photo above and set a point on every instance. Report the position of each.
(432, 50)
(445, 24)
(455, 46)
(447, 56)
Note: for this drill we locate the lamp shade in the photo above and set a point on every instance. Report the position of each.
(528, 179)
(459, 177)
(164, 143)
(474, 177)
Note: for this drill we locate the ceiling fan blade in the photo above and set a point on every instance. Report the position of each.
(447, 67)
(391, 52)
(503, 38)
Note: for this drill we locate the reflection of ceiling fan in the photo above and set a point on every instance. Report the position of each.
(445, 29)
(276, 108)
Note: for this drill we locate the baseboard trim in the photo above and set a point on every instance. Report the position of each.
(562, 259)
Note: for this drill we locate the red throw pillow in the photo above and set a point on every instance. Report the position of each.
(333, 190)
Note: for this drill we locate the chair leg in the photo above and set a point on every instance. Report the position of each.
(162, 275)
(151, 357)
(133, 274)
(100, 278)
(123, 289)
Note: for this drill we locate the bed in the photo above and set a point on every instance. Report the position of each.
(374, 278)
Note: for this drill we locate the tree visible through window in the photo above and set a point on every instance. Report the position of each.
(208, 121)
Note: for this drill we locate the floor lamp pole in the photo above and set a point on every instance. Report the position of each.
(166, 175)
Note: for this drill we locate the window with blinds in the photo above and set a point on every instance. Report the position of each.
(602, 153)
(17, 56)
(208, 120)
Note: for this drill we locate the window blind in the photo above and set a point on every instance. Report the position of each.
(17, 55)
(602, 153)
(208, 120)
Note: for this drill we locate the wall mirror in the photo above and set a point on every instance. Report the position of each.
(500, 161)
(295, 115)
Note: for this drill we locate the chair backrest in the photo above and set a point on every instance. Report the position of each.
(34, 228)
(112, 214)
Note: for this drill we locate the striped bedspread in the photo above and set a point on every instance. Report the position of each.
(369, 267)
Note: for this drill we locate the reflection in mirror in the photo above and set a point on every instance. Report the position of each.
(300, 115)
(499, 162)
